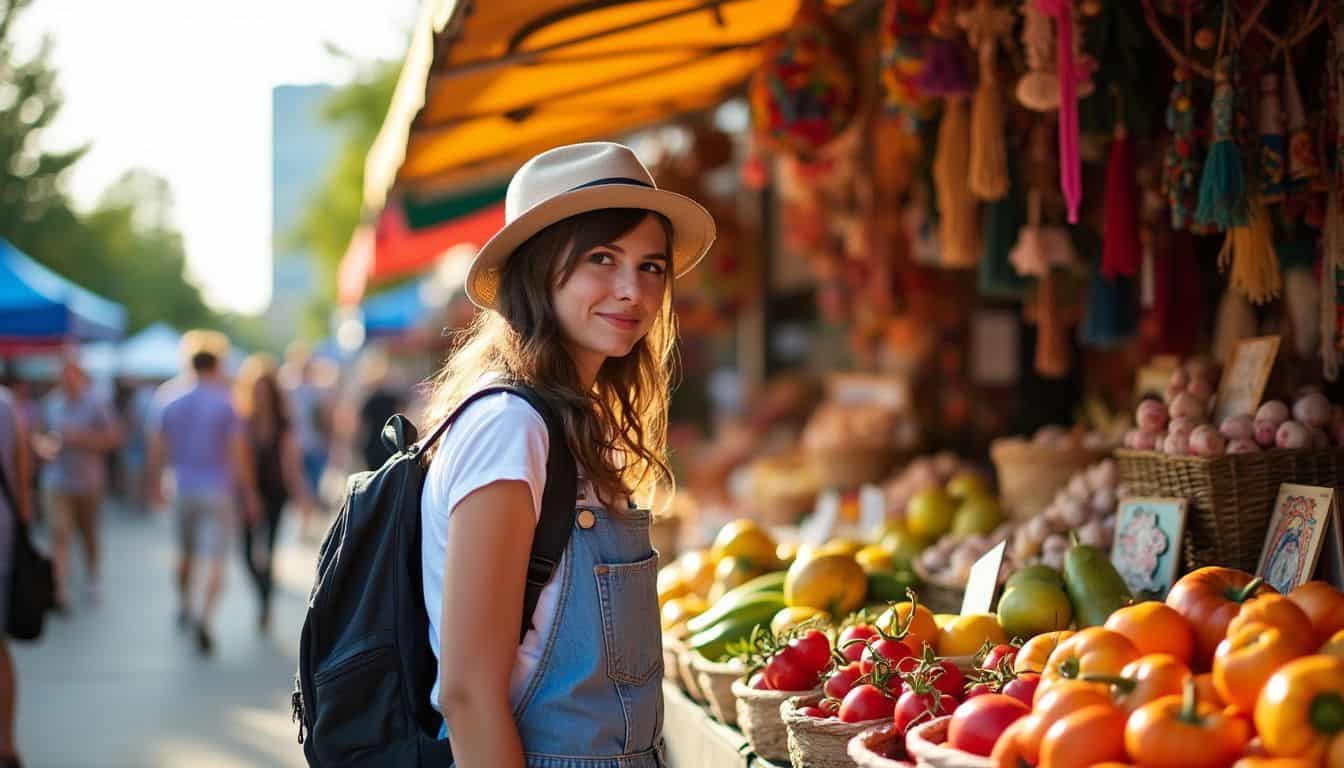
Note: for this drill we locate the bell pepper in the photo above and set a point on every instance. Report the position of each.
(1271, 762)
(1209, 598)
(1184, 732)
(1065, 698)
(1245, 661)
(1036, 651)
(1089, 736)
(1276, 611)
(1147, 678)
(1155, 627)
(1092, 651)
(1208, 692)
(1324, 605)
(1300, 712)
(1335, 645)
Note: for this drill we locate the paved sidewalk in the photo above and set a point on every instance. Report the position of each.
(117, 684)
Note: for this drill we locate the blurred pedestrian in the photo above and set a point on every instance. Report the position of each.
(135, 446)
(16, 467)
(312, 424)
(381, 402)
(195, 430)
(80, 431)
(278, 471)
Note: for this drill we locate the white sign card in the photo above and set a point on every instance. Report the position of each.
(983, 581)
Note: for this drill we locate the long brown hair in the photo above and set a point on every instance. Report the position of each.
(617, 432)
(260, 369)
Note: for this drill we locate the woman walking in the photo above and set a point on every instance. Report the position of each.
(575, 293)
(277, 469)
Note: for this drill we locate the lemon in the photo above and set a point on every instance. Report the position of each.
(977, 514)
(792, 616)
(964, 484)
(929, 513)
(847, 547)
(671, 583)
(745, 539)
(964, 635)
(832, 583)
(1034, 607)
(786, 553)
(697, 569)
(943, 619)
(732, 572)
(904, 548)
(677, 611)
(874, 558)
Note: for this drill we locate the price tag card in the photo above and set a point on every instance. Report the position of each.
(1245, 376)
(817, 529)
(872, 509)
(984, 580)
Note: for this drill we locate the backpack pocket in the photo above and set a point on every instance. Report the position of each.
(630, 629)
(359, 704)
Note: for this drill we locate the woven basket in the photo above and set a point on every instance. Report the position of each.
(1030, 475)
(867, 749)
(818, 743)
(671, 663)
(1231, 498)
(689, 680)
(783, 489)
(851, 468)
(926, 744)
(758, 718)
(715, 680)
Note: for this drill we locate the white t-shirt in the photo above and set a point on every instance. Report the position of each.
(499, 437)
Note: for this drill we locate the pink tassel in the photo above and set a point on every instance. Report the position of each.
(1070, 164)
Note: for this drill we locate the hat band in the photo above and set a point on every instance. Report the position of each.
(613, 180)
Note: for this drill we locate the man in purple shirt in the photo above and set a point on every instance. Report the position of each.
(195, 429)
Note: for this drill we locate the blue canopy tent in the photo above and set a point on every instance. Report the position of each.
(394, 312)
(40, 309)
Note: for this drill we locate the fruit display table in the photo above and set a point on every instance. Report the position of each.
(696, 740)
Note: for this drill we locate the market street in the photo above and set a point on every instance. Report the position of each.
(117, 684)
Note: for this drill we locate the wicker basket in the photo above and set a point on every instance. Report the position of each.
(715, 681)
(851, 468)
(783, 489)
(689, 680)
(671, 663)
(866, 750)
(818, 743)
(926, 744)
(1231, 498)
(759, 720)
(1030, 475)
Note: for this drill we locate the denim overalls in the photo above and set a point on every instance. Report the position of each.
(595, 699)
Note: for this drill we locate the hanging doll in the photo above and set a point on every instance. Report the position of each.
(1222, 189)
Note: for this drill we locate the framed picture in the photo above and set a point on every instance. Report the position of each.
(1296, 530)
(1245, 376)
(1147, 548)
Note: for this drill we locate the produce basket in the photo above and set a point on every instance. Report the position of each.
(852, 467)
(759, 720)
(689, 681)
(818, 743)
(784, 489)
(671, 661)
(1231, 498)
(869, 749)
(715, 681)
(1031, 474)
(927, 745)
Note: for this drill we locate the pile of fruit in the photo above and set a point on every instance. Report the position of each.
(1087, 506)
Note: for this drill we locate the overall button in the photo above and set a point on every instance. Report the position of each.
(586, 519)
(601, 570)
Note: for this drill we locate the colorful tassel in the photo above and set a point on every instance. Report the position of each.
(1120, 247)
(989, 157)
(1273, 144)
(1222, 191)
(1249, 251)
(1070, 163)
(1052, 336)
(1180, 165)
(959, 234)
(1303, 164)
(904, 30)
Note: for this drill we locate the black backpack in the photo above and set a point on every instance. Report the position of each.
(365, 665)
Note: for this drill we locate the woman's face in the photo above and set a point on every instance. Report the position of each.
(610, 300)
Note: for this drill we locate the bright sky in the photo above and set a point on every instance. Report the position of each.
(183, 88)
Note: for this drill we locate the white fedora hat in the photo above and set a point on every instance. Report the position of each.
(578, 178)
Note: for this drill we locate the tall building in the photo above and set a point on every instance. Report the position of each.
(302, 149)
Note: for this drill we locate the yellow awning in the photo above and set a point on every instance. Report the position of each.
(488, 84)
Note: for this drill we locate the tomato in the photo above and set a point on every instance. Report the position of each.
(979, 689)
(842, 680)
(852, 641)
(1245, 661)
(789, 670)
(1089, 736)
(1009, 749)
(1209, 598)
(757, 681)
(1275, 611)
(1183, 732)
(815, 648)
(1323, 604)
(866, 702)
(1155, 627)
(978, 723)
(1023, 687)
(997, 654)
(916, 707)
(893, 651)
(830, 706)
(912, 622)
(816, 712)
(1147, 678)
(1052, 704)
(951, 680)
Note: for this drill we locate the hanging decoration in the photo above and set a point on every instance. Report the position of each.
(1273, 143)
(1222, 190)
(1112, 314)
(1053, 319)
(902, 35)
(1040, 247)
(1303, 164)
(985, 26)
(1249, 252)
(1066, 70)
(946, 75)
(805, 92)
(1121, 254)
(1180, 165)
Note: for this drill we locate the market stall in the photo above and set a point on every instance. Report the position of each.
(41, 310)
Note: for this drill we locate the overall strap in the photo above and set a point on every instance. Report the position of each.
(557, 499)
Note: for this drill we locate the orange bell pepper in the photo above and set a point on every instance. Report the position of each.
(1092, 651)
(1147, 678)
(1033, 654)
(1208, 692)
(1060, 701)
(1245, 661)
(1276, 611)
(1184, 732)
(1209, 598)
(1323, 604)
(1300, 712)
(1089, 736)
(1155, 627)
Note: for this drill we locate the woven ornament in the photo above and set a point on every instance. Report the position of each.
(1222, 188)
(985, 26)
(1038, 89)
(1303, 164)
(1273, 142)
(805, 91)
(903, 34)
(1249, 252)
(1181, 164)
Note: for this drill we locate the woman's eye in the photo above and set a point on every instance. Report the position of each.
(600, 257)
(656, 267)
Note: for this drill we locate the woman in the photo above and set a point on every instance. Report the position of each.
(576, 297)
(277, 471)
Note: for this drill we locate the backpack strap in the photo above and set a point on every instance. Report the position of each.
(557, 499)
